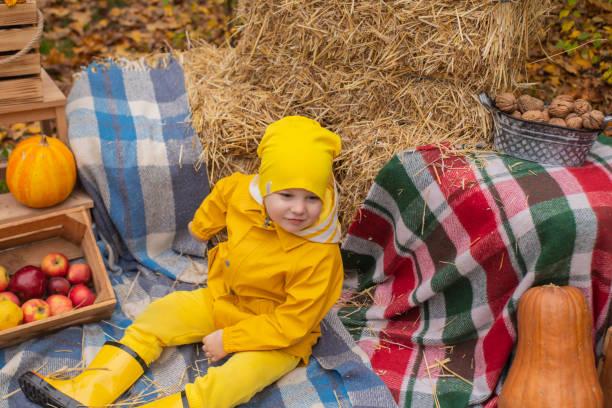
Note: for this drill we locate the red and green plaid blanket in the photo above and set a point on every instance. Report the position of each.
(442, 250)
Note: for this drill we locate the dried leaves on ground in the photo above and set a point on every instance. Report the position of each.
(574, 53)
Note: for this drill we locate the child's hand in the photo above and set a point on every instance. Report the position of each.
(213, 346)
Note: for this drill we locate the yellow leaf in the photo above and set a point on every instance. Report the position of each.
(137, 36)
(581, 62)
(33, 129)
(81, 16)
(574, 34)
(121, 49)
(566, 26)
(564, 13)
(115, 12)
(550, 68)
(18, 127)
(55, 57)
(77, 26)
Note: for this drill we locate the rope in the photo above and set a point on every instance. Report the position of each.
(33, 41)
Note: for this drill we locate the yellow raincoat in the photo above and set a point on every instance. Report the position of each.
(270, 288)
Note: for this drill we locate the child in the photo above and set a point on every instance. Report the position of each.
(269, 285)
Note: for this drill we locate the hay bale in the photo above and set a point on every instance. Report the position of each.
(481, 43)
(385, 76)
(231, 118)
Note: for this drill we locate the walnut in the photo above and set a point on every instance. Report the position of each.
(545, 115)
(582, 106)
(564, 97)
(593, 119)
(534, 115)
(557, 121)
(573, 121)
(561, 106)
(528, 103)
(516, 114)
(506, 102)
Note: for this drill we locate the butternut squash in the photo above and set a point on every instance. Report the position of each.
(554, 365)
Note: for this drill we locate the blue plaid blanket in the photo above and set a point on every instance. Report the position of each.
(128, 129)
(139, 160)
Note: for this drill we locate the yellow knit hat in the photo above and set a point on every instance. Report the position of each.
(296, 152)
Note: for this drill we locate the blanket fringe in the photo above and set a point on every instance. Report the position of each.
(141, 64)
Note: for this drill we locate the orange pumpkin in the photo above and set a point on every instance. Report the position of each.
(41, 172)
(554, 366)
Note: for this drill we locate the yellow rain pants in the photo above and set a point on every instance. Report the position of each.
(186, 317)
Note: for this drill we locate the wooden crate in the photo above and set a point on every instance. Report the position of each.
(20, 80)
(27, 236)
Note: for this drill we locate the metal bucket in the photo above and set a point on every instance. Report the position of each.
(540, 142)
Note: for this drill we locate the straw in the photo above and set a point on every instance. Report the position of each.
(385, 76)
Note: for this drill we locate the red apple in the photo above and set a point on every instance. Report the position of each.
(35, 309)
(10, 296)
(81, 296)
(58, 285)
(78, 273)
(59, 304)
(4, 278)
(54, 264)
(28, 282)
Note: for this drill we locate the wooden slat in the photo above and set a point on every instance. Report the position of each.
(32, 254)
(28, 64)
(100, 310)
(53, 99)
(19, 14)
(68, 228)
(14, 234)
(20, 90)
(15, 213)
(26, 237)
(15, 39)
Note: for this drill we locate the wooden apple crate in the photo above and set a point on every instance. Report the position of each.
(20, 80)
(27, 235)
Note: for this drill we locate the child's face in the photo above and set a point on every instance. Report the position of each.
(293, 209)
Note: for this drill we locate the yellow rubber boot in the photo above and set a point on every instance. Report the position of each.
(113, 370)
(178, 400)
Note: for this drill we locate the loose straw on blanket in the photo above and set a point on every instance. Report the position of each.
(10, 394)
(443, 365)
(433, 385)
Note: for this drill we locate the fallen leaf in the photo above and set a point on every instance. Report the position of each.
(580, 62)
(77, 26)
(33, 129)
(115, 12)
